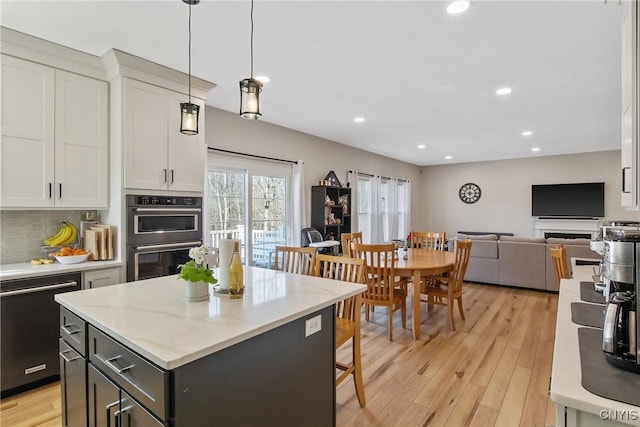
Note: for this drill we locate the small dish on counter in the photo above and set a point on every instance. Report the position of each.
(72, 259)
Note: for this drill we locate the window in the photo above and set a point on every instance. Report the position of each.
(249, 201)
(384, 206)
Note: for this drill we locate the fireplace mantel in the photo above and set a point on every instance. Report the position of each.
(559, 225)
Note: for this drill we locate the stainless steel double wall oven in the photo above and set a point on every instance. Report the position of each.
(160, 232)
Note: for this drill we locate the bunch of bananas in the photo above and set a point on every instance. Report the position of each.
(65, 235)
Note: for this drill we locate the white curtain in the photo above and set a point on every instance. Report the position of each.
(352, 179)
(392, 210)
(405, 211)
(298, 210)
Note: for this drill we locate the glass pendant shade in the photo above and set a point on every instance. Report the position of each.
(250, 99)
(189, 121)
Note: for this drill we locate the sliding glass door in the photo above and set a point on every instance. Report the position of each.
(249, 202)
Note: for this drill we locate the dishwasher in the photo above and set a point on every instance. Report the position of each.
(29, 330)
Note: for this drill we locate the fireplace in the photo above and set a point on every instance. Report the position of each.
(565, 228)
(548, 235)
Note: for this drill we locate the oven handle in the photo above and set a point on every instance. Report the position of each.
(168, 245)
(39, 289)
(158, 210)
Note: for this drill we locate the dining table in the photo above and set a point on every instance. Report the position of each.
(418, 263)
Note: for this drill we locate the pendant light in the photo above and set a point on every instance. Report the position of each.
(189, 112)
(250, 89)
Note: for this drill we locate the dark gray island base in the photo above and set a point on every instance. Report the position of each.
(278, 378)
(138, 354)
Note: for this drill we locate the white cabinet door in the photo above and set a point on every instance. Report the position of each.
(157, 155)
(630, 174)
(81, 126)
(27, 145)
(145, 136)
(186, 153)
(98, 278)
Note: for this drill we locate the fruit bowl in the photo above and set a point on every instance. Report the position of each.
(72, 259)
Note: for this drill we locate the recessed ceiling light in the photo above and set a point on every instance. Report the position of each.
(448, 157)
(359, 119)
(263, 79)
(535, 149)
(503, 91)
(527, 133)
(421, 146)
(458, 6)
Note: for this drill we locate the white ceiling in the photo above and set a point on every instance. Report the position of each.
(417, 74)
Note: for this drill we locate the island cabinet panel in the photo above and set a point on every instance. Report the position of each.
(137, 376)
(277, 378)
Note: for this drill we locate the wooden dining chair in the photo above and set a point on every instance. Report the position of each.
(296, 260)
(382, 288)
(347, 315)
(559, 260)
(348, 239)
(447, 289)
(429, 240)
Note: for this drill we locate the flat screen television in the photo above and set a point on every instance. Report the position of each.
(568, 200)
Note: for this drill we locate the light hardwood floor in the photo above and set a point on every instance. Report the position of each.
(494, 370)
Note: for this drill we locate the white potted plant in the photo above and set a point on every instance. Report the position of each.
(197, 275)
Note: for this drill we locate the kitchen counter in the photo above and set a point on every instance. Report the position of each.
(152, 317)
(25, 269)
(566, 391)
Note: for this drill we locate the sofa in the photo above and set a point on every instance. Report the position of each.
(518, 261)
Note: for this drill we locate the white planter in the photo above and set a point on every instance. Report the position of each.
(196, 291)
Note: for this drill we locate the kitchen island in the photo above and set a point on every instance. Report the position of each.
(153, 357)
(576, 406)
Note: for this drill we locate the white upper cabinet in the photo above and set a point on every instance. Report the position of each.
(27, 145)
(54, 149)
(81, 153)
(156, 155)
(630, 146)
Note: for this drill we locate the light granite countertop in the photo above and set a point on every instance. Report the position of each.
(566, 386)
(153, 318)
(25, 269)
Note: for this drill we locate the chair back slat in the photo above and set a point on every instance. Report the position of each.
(559, 260)
(429, 240)
(348, 240)
(380, 270)
(462, 250)
(347, 270)
(295, 260)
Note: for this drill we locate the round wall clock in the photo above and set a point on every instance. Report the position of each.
(469, 193)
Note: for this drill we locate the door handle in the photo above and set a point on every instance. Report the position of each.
(38, 289)
(50, 189)
(60, 190)
(108, 408)
(66, 358)
(68, 331)
(172, 176)
(114, 368)
(164, 171)
(624, 180)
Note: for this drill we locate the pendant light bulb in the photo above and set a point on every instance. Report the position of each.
(250, 89)
(189, 112)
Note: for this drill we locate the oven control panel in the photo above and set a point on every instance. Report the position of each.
(163, 201)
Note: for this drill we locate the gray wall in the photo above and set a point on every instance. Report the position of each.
(505, 205)
(228, 131)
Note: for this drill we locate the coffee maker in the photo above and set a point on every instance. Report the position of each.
(621, 268)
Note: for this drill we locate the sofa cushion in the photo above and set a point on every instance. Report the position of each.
(522, 263)
(560, 241)
(523, 239)
(483, 246)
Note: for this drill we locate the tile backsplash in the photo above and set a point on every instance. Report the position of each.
(22, 232)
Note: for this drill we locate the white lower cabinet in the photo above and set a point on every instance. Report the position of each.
(54, 147)
(99, 278)
(156, 155)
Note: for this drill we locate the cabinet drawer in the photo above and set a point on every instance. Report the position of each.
(141, 379)
(74, 331)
